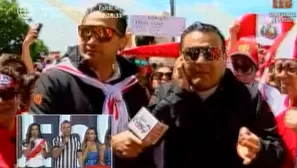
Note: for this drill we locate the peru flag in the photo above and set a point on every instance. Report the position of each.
(285, 46)
(262, 27)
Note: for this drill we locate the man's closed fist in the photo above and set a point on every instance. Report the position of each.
(248, 145)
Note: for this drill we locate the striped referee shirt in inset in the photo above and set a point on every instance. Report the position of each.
(69, 155)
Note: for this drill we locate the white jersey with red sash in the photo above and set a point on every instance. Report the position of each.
(114, 103)
(35, 157)
(273, 97)
(288, 135)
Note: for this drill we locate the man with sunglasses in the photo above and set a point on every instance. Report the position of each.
(9, 103)
(102, 82)
(213, 119)
(245, 62)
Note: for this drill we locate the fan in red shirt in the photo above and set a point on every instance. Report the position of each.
(10, 82)
(285, 52)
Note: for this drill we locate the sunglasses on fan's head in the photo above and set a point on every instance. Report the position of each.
(100, 33)
(7, 88)
(208, 53)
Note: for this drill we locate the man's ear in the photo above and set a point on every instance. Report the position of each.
(125, 41)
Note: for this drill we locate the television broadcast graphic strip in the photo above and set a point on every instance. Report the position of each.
(52, 128)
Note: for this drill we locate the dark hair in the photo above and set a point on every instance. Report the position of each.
(111, 9)
(205, 28)
(29, 134)
(26, 91)
(16, 77)
(96, 134)
(144, 40)
(65, 122)
(14, 61)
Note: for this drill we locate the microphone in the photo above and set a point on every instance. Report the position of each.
(147, 127)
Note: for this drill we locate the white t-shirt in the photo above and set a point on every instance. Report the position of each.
(38, 160)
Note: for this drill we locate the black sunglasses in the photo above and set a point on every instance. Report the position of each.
(209, 53)
(160, 75)
(243, 65)
(245, 69)
(8, 93)
(101, 33)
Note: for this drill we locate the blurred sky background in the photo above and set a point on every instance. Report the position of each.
(60, 31)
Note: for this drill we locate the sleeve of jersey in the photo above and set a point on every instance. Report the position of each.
(55, 143)
(79, 148)
(43, 96)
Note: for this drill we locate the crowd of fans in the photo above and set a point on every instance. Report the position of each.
(217, 116)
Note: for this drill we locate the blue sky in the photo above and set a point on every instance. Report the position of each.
(59, 30)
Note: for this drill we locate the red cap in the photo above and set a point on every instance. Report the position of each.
(247, 48)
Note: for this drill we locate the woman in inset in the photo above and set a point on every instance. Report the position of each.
(92, 149)
(34, 147)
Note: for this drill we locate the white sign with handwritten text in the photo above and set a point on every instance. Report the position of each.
(158, 26)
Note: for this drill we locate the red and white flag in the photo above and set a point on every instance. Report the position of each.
(265, 28)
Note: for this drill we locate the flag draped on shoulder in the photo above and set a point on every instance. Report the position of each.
(114, 104)
(36, 150)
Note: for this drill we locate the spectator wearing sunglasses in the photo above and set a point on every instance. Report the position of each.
(205, 106)
(285, 68)
(161, 75)
(245, 62)
(101, 82)
(10, 82)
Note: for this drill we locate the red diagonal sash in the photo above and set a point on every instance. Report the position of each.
(37, 149)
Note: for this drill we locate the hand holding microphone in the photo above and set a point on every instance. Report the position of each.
(144, 130)
(126, 145)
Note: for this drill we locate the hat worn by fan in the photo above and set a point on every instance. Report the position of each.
(286, 46)
(247, 48)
